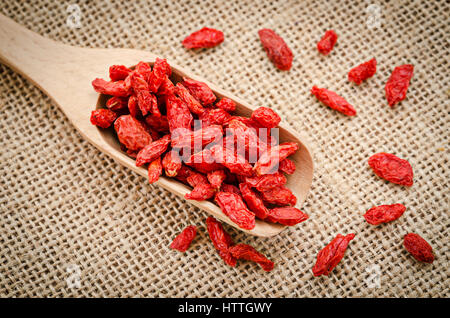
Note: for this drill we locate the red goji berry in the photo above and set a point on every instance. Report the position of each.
(230, 188)
(327, 42)
(158, 123)
(333, 100)
(287, 166)
(418, 248)
(118, 72)
(178, 114)
(203, 38)
(227, 105)
(215, 116)
(195, 178)
(397, 84)
(146, 101)
(234, 162)
(222, 240)
(234, 207)
(203, 161)
(133, 106)
(161, 69)
(266, 117)
(269, 161)
(216, 178)
(117, 88)
(363, 71)
(392, 168)
(144, 70)
(166, 88)
(279, 196)
(331, 255)
(131, 133)
(267, 181)
(247, 252)
(171, 163)
(384, 213)
(200, 91)
(277, 50)
(117, 104)
(103, 117)
(152, 151)
(183, 174)
(183, 240)
(154, 170)
(194, 105)
(202, 191)
(198, 138)
(254, 202)
(286, 215)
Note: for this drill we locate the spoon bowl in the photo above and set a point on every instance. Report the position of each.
(65, 74)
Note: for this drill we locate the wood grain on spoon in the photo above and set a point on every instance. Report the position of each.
(65, 74)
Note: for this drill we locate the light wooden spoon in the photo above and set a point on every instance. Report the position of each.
(65, 74)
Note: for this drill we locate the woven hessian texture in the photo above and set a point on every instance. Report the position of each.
(69, 212)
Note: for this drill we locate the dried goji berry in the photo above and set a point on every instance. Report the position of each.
(269, 161)
(216, 178)
(384, 213)
(171, 163)
(331, 255)
(203, 161)
(254, 202)
(392, 168)
(363, 71)
(118, 72)
(144, 70)
(178, 114)
(183, 173)
(198, 138)
(117, 104)
(418, 248)
(234, 162)
(230, 188)
(200, 91)
(279, 196)
(266, 117)
(154, 170)
(327, 42)
(131, 133)
(161, 70)
(266, 181)
(202, 191)
(103, 117)
(152, 151)
(287, 166)
(286, 215)
(158, 123)
(226, 104)
(222, 240)
(247, 252)
(146, 100)
(194, 105)
(215, 116)
(117, 88)
(183, 240)
(203, 38)
(333, 100)
(195, 178)
(277, 50)
(166, 87)
(133, 106)
(397, 84)
(234, 207)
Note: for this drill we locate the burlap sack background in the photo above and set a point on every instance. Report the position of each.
(69, 211)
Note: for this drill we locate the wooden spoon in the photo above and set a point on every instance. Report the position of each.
(65, 74)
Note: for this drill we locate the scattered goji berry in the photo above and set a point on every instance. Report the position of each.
(183, 240)
(266, 117)
(269, 161)
(253, 200)
(154, 170)
(131, 133)
(327, 42)
(152, 151)
(363, 71)
(331, 255)
(397, 84)
(418, 248)
(392, 168)
(103, 117)
(247, 252)
(226, 104)
(333, 100)
(234, 207)
(200, 91)
(384, 213)
(277, 50)
(279, 196)
(203, 38)
(286, 215)
(221, 239)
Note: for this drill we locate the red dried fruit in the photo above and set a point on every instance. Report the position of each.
(384, 213)
(266, 117)
(194, 105)
(327, 42)
(154, 170)
(131, 133)
(279, 196)
(160, 71)
(266, 181)
(216, 178)
(230, 188)
(116, 103)
(363, 71)
(111, 88)
(171, 163)
(146, 101)
(227, 105)
(392, 168)
(152, 151)
(166, 88)
(133, 106)
(103, 117)
(254, 202)
(235, 163)
(183, 174)
(158, 123)
(331, 255)
(195, 178)
(222, 240)
(215, 116)
(246, 139)
(333, 100)
(202, 191)
(287, 166)
(144, 70)
(286, 215)
(418, 248)
(199, 138)
(203, 38)
(183, 240)
(269, 161)
(397, 84)
(247, 252)
(234, 207)
(118, 72)
(276, 49)
(200, 91)
(203, 161)
(178, 114)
